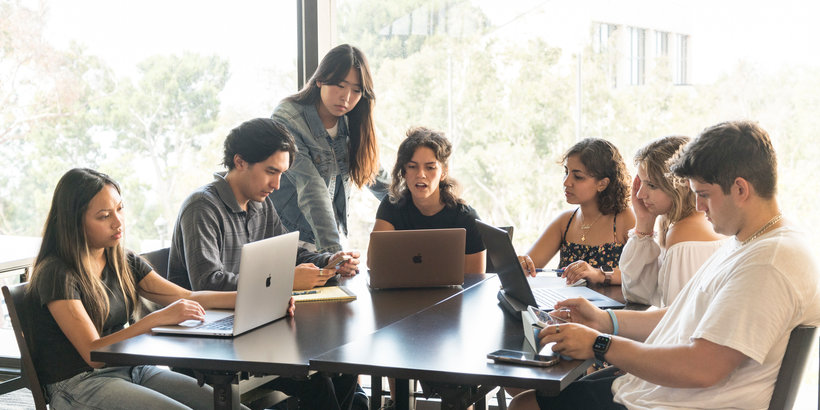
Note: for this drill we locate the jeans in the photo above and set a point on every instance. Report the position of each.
(593, 392)
(138, 387)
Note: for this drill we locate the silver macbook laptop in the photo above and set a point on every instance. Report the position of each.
(263, 291)
(417, 258)
(516, 293)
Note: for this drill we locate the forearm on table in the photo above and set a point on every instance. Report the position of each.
(695, 365)
(214, 299)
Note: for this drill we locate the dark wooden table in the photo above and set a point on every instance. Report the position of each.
(285, 346)
(446, 347)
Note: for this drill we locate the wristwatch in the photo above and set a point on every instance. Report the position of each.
(607, 276)
(601, 346)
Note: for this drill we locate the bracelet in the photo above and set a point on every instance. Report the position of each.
(644, 234)
(614, 322)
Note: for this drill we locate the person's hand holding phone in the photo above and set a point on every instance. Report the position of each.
(580, 310)
(569, 340)
(542, 319)
(345, 263)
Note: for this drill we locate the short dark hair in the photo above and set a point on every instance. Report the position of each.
(256, 140)
(730, 150)
(418, 137)
(603, 160)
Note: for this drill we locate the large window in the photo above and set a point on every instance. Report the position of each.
(637, 55)
(144, 91)
(506, 81)
(681, 61)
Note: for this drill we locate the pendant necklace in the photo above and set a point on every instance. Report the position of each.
(586, 228)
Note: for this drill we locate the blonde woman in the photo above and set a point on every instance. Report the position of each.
(654, 272)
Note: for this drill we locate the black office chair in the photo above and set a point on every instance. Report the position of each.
(791, 370)
(14, 296)
(490, 268)
(158, 260)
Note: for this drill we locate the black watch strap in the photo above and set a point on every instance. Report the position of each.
(601, 346)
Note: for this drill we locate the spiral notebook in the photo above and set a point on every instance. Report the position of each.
(324, 294)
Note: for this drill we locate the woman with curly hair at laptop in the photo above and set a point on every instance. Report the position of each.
(590, 237)
(423, 195)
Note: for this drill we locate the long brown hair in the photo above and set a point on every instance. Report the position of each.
(364, 149)
(656, 158)
(442, 148)
(65, 244)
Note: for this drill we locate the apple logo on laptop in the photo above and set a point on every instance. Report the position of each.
(417, 258)
(267, 281)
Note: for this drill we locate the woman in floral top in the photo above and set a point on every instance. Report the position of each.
(590, 237)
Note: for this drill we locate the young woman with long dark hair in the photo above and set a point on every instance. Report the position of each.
(331, 119)
(84, 294)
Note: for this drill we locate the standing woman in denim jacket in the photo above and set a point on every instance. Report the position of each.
(331, 119)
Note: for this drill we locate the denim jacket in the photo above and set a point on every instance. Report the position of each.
(303, 200)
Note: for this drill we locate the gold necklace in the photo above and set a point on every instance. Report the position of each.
(760, 231)
(586, 228)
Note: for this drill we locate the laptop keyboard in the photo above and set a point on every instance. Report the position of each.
(226, 323)
(546, 297)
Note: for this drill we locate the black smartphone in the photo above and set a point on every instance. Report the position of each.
(526, 358)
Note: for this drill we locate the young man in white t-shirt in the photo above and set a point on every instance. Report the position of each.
(721, 342)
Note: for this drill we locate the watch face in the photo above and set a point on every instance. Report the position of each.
(601, 343)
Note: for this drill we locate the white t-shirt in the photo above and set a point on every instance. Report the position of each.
(748, 298)
(333, 131)
(654, 276)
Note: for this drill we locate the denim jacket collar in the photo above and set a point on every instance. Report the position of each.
(317, 127)
(225, 193)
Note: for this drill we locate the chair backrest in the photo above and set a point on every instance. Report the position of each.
(791, 370)
(15, 303)
(158, 260)
(490, 268)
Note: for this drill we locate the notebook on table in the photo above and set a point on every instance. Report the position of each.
(516, 293)
(417, 258)
(263, 291)
(324, 294)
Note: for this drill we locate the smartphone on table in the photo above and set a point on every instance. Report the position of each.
(525, 358)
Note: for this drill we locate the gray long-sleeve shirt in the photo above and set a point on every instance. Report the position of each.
(210, 231)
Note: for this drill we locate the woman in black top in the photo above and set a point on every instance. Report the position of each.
(423, 195)
(84, 290)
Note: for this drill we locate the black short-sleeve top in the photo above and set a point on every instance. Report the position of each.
(55, 357)
(406, 216)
